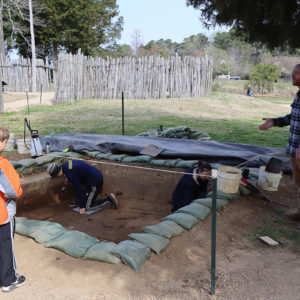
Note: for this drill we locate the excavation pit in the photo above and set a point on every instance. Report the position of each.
(144, 198)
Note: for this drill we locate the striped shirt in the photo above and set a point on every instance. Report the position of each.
(292, 119)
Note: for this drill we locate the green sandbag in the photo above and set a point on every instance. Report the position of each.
(195, 209)
(102, 252)
(92, 154)
(187, 221)
(117, 157)
(166, 229)
(45, 159)
(157, 162)
(60, 154)
(130, 159)
(47, 231)
(73, 243)
(208, 202)
(15, 164)
(27, 162)
(222, 195)
(155, 242)
(244, 191)
(25, 226)
(171, 163)
(132, 253)
(186, 163)
(103, 155)
(144, 158)
(73, 154)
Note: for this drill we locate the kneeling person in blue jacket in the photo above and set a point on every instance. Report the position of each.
(193, 185)
(87, 181)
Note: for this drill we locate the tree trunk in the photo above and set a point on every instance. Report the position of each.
(54, 61)
(33, 59)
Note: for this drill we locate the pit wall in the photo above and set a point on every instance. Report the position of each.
(40, 189)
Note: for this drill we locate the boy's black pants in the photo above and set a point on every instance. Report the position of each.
(91, 195)
(8, 266)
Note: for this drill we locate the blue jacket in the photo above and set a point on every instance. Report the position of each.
(188, 190)
(81, 174)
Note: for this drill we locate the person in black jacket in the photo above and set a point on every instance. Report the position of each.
(193, 185)
(87, 181)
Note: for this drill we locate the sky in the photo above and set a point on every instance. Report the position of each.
(156, 19)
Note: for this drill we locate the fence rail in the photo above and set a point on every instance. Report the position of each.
(17, 74)
(80, 77)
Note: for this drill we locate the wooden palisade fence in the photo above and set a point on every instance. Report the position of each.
(17, 74)
(80, 77)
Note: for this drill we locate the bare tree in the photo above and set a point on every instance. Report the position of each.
(136, 41)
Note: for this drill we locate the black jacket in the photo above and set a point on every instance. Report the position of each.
(188, 190)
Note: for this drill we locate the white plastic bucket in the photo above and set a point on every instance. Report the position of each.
(268, 181)
(21, 146)
(10, 145)
(228, 180)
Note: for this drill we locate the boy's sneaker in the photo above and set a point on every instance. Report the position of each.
(113, 201)
(20, 281)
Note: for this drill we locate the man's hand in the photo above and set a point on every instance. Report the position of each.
(268, 124)
(82, 211)
(298, 154)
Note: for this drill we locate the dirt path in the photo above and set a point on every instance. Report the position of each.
(20, 104)
(246, 269)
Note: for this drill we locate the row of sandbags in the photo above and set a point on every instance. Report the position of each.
(179, 132)
(30, 163)
(133, 252)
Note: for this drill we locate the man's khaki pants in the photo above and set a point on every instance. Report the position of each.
(296, 175)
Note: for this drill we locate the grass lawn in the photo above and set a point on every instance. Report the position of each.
(224, 116)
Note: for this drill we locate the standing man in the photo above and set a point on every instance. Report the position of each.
(87, 181)
(293, 145)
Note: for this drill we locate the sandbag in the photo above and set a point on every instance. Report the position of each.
(117, 157)
(244, 191)
(47, 231)
(208, 202)
(171, 163)
(155, 242)
(222, 195)
(186, 164)
(102, 252)
(15, 164)
(73, 154)
(25, 226)
(92, 154)
(187, 221)
(45, 159)
(132, 253)
(166, 229)
(27, 162)
(130, 159)
(195, 209)
(144, 158)
(103, 155)
(157, 162)
(73, 243)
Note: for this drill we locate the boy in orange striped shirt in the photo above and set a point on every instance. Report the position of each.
(10, 191)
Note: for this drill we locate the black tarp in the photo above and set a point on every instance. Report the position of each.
(210, 151)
